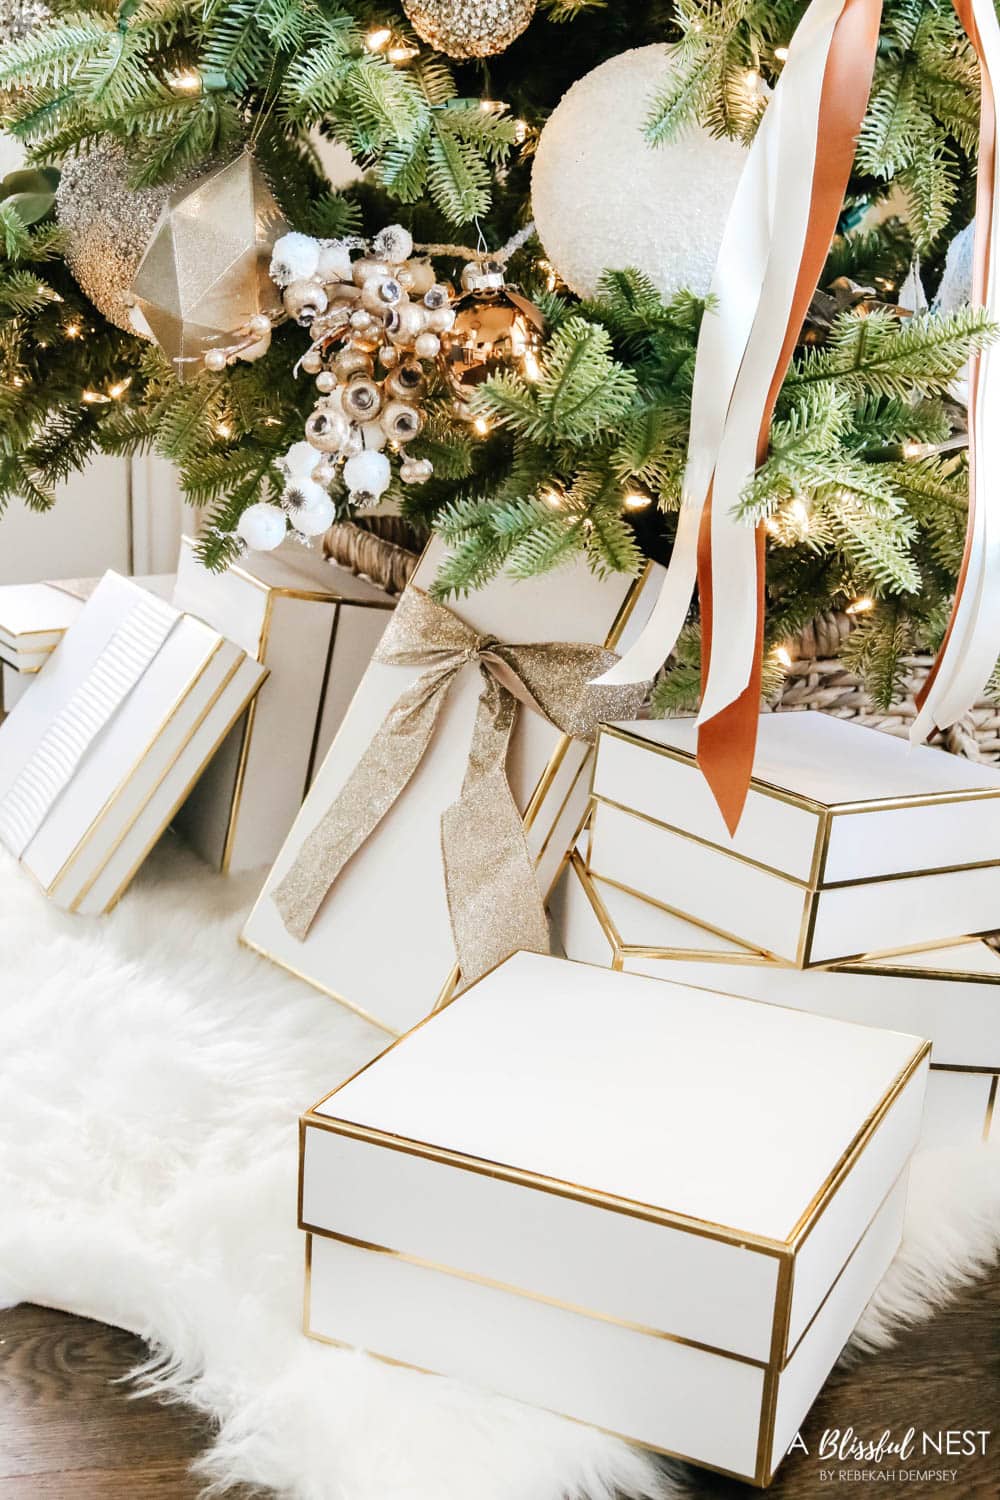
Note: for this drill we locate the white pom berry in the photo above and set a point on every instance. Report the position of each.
(334, 262)
(299, 461)
(262, 527)
(295, 257)
(393, 244)
(316, 517)
(367, 476)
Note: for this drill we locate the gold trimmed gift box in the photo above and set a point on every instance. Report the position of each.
(314, 626)
(395, 881)
(637, 1230)
(950, 995)
(851, 842)
(34, 617)
(117, 727)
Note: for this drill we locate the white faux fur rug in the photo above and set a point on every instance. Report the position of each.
(151, 1076)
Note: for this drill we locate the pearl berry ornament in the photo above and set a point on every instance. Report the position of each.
(367, 476)
(215, 360)
(262, 527)
(603, 198)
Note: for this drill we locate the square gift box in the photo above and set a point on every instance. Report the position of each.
(393, 886)
(650, 1209)
(315, 626)
(117, 727)
(851, 843)
(949, 995)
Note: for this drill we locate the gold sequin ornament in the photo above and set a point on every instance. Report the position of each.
(107, 225)
(469, 28)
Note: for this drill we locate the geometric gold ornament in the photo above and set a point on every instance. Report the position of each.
(204, 273)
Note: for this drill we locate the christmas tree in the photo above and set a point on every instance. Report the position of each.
(576, 441)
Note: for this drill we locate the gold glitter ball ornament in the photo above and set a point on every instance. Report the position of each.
(469, 28)
(204, 275)
(107, 225)
(20, 19)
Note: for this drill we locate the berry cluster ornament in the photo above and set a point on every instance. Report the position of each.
(377, 324)
(603, 198)
(469, 28)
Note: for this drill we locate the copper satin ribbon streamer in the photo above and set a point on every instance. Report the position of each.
(984, 231)
(727, 742)
(494, 902)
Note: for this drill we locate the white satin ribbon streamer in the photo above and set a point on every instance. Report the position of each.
(755, 277)
(115, 673)
(972, 646)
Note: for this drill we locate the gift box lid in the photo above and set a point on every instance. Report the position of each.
(626, 1093)
(35, 615)
(831, 802)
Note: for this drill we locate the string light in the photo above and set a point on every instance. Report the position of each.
(94, 398)
(119, 388)
(223, 429)
(799, 513)
(860, 606)
(72, 330)
(783, 655)
(636, 501)
(916, 450)
(401, 54)
(481, 426)
(553, 499)
(520, 131)
(530, 368)
(376, 40)
(781, 53)
(188, 81)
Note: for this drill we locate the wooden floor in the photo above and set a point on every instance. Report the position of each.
(67, 1432)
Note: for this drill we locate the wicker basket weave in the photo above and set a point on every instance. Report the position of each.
(383, 549)
(818, 679)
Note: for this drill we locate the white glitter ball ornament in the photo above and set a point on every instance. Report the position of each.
(603, 198)
(469, 28)
(262, 527)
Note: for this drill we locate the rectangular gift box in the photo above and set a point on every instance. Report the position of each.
(315, 626)
(117, 727)
(34, 617)
(395, 882)
(851, 842)
(665, 1226)
(949, 995)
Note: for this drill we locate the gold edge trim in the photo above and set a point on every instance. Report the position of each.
(955, 976)
(243, 759)
(821, 1200)
(748, 957)
(516, 1291)
(178, 703)
(520, 1177)
(307, 1289)
(772, 1376)
(401, 1364)
(704, 843)
(8, 636)
(23, 671)
(574, 783)
(810, 804)
(674, 911)
(212, 703)
(314, 984)
(991, 1105)
(848, 962)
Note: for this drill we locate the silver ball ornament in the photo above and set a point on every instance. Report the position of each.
(416, 470)
(326, 430)
(401, 421)
(304, 300)
(362, 399)
(427, 346)
(312, 362)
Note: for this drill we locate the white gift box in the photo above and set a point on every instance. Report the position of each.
(652, 1210)
(394, 885)
(13, 684)
(851, 842)
(314, 626)
(34, 617)
(118, 725)
(949, 995)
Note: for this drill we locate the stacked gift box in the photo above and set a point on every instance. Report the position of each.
(858, 885)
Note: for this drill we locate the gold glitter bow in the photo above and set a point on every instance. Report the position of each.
(494, 901)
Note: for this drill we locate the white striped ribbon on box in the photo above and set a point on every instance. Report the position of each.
(121, 664)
